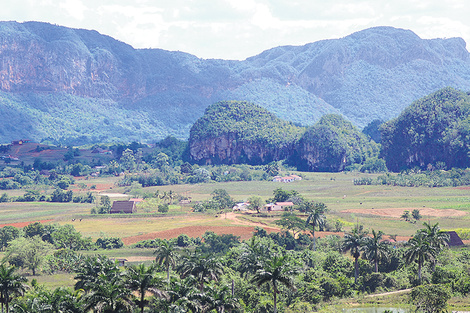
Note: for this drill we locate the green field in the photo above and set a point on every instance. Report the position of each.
(336, 190)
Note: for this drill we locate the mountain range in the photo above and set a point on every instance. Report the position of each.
(76, 86)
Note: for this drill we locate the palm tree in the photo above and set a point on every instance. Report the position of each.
(354, 243)
(275, 271)
(109, 297)
(316, 218)
(11, 284)
(437, 238)
(252, 255)
(221, 300)
(142, 279)
(183, 297)
(419, 250)
(203, 267)
(376, 249)
(166, 255)
(95, 270)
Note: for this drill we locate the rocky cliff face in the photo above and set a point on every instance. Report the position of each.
(232, 132)
(37, 57)
(227, 149)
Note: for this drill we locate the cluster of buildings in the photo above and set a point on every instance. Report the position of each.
(286, 179)
(270, 207)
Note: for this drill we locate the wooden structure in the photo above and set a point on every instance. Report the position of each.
(123, 207)
(454, 239)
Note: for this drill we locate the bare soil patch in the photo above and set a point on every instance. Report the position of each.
(245, 232)
(397, 212)
(23, 224)
(100, 187)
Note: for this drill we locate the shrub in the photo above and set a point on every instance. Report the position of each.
(163, 208)
(109, 243)
(430, 298)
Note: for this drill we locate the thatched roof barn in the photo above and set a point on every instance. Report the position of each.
(123, 207)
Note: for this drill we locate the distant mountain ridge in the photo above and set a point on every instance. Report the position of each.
(77, 86)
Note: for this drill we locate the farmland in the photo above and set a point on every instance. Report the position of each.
(367, 205)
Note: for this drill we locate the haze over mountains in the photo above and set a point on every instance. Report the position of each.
(78, 86)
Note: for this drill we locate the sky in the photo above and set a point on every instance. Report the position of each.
(237, 29)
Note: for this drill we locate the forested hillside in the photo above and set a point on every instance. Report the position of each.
(433, 132)
(332, 144)
(75, 86)
(241, 132)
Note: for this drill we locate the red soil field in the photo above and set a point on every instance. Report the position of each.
(245, 232)
(23, 224)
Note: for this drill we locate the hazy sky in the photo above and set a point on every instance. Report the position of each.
(237, 29)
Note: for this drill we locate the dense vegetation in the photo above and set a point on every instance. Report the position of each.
(268, 273)
(248, 121)
(332, 144)
(434, 129)
(416, 178)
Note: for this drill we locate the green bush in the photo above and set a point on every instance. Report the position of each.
(109, 243)
(163, 208)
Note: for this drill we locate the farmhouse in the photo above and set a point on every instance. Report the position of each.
(278, 206)
(242, 206)
(123, 207)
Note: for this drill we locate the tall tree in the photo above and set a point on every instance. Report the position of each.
(223, 199)
(419, 250)
(316, 217)
(275, 271)
(221, 300)
(109, 297)
(166, 255)
(354, 242)
(142, 279)
(376, 249)
(7, 234)
(11, 284)
(93, 271)
(29, 252)
(256, 203)
(203, 267)
(437, 238)
(291, 222)
(252, 255)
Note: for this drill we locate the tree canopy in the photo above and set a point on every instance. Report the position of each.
(433, 129)
(332, 144)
